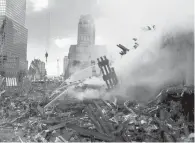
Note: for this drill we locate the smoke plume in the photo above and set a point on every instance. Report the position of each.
(165, 57)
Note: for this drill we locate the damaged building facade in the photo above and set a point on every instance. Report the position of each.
(37, 70)
(86, 51)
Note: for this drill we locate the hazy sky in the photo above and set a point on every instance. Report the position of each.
(117, 21)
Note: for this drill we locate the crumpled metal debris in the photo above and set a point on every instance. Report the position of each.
(96, 120)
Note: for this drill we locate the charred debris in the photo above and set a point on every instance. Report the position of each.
(167, 118)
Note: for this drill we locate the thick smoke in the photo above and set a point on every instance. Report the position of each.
(164, 58)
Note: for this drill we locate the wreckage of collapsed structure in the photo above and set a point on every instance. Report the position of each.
(37, 70)
(58, 115)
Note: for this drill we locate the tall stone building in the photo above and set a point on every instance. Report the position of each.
(13, 33)
(65, 65)
(86, 31)
(81, 55)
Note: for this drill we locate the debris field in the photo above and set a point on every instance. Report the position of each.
(167, 118)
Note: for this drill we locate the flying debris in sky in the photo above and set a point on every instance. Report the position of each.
(136, 45)
(149, 28)
(154, 27)
(124, 49)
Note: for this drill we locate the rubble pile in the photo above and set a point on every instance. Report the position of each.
(165, 118)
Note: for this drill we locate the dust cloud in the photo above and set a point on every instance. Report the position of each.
(165, 57)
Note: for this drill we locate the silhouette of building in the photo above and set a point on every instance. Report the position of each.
(13, 34)
(65, 65)
(81, 55)
(86, 31)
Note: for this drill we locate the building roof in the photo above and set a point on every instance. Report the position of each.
(86, 19)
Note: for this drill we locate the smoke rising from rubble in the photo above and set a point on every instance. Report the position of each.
(164, 57)
(95, 89)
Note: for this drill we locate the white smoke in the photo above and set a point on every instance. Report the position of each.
(95, 88)
(164, 57)
(95, 81)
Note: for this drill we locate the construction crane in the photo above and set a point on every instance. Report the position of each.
(48, 34)
(46, 55)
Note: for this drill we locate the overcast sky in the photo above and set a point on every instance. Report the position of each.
(117, 21)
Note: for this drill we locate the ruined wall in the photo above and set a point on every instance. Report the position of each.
(37, 70)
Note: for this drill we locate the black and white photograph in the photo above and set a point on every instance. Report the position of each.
(97, 71)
